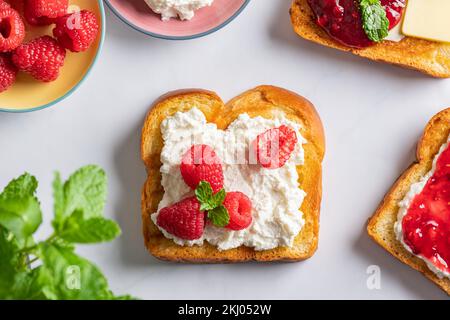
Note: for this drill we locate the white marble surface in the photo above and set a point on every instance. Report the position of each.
(373, 115)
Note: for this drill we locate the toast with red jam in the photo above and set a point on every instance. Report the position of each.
(432, 58)
(421, 237)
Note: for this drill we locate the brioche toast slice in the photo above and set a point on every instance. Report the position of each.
(432, 58)
(381, 225)
(264, 101)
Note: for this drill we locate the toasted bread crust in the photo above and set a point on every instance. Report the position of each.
(381, 225)
(262, 101)
(432, 58)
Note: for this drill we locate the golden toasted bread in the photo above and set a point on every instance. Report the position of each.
(262, 101)
(429, 57)
(381, 225)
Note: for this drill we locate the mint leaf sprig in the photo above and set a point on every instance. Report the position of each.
(60, 273)
(212, 203)
(374, 19)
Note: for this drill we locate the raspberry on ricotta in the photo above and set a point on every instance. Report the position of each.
(275, 193)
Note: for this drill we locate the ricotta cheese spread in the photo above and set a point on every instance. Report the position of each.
(275, 193)
(184, 9)
(404, 205)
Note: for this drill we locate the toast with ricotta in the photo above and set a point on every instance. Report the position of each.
(264, 101)
(381, 225)
(432, 58)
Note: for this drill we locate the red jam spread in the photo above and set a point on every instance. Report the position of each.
(342, 19)
(394, 11)
(426, 225)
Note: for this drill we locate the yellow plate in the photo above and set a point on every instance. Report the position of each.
(28, 94)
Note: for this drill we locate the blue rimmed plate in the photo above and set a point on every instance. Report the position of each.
(28, 94)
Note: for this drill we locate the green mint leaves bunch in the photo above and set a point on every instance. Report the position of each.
(374, 19)
(212, 203)
(51, 269)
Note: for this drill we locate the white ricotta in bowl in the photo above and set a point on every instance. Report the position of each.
(183, 9)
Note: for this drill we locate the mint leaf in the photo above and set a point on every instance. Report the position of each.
(204, 194)
(20, 211)
(8, 248)
(70, 276)
(38, 285)
(85, 191)
(219, 197)
(77, 229)
(212, 203)
(8, 262)
(208, 200)
(374, 19)
(20, 215)
(219, 216)
(23, 186)
(31, 285)
(16, 281)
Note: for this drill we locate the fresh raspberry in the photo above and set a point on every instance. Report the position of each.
(44, 12)
(183, 219)
(76, 31)
(41, 57)
(200, 163)
(12, 28)
(239, 207)
(275, 146)
(8, 72)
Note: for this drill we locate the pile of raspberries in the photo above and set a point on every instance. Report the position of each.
(41, 57)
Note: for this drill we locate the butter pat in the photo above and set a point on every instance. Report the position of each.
(428, 19)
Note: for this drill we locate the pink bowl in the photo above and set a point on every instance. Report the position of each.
(207, 20)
